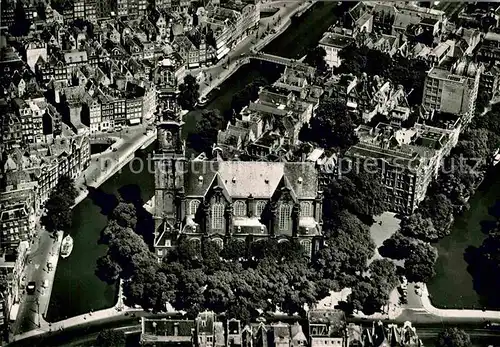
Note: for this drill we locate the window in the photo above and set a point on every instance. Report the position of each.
(196, 243)
(306, 245)
(193, 206)
(217, 216)
(259, 208)
(284, 217)
(240, 208)
(306, 209)
(219, 243)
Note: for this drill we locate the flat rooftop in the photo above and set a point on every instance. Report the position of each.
(336, 40)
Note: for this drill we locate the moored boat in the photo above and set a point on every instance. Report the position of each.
(66, 246)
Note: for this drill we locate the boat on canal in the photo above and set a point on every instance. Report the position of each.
(66, 246)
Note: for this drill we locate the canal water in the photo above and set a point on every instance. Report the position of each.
(452, 287)
(76, 288)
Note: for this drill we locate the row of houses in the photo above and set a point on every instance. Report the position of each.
(269, 126)
(323, 328)
(200, 37)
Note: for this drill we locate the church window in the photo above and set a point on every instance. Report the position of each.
(306, 209)
(261, 205)
(219, 243)
(217, 216)
(196, 244)
(193, 206)
(306, 246)
(240, 208)
(284, 216)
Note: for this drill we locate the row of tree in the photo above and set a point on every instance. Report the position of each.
(58, 206)
(484, 260)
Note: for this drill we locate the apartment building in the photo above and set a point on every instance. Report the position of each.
(383, 335)
(18, 207)
(206, 331)
(333, 43)
(229, 23)
(489, 48)
(131, 8)
(453, 91)
(407, 159)
(44, 163)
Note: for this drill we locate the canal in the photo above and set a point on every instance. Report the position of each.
(452, 287)
(76, 288)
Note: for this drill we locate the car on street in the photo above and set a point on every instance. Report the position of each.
(30, 289)
(45, 284)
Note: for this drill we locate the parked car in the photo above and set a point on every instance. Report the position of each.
(45, 284)
(30, 289)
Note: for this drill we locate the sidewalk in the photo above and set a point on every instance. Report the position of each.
(117, 310)
(456, 313)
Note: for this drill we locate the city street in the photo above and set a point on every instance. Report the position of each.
(33, 307)
(45, 249)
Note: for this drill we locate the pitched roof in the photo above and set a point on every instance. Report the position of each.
(259, 179)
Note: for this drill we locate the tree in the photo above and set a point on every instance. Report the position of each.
(234, 249)
(206, 132)
(490, 120)
(316, 58)
(419, 265)
(189, 93)
(107, 269)
(66, 186)
(58, 206)
(419, 227)
(346, 251)
(440, 210)
(110, 338)
(396, 247)
(249, 93)
(484, 266)
(482, 101)
(125, 215)
(476, 145)
(360, 192)
(332, 127)
(453, 337)
(371, 293)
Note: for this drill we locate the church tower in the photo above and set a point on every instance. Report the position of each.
(170, 164)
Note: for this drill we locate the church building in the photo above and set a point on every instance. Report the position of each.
(218, 200)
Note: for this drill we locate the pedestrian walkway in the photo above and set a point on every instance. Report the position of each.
(456, 313)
